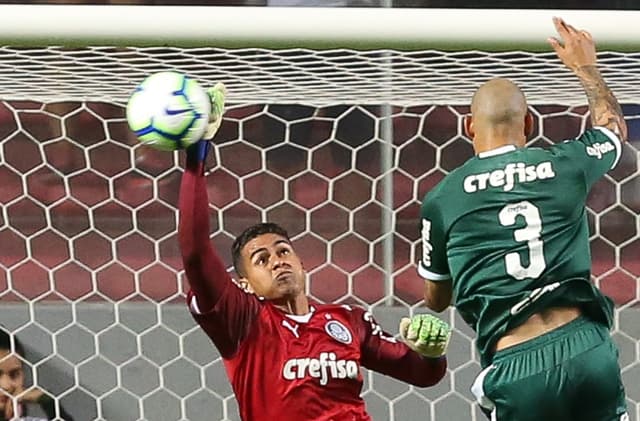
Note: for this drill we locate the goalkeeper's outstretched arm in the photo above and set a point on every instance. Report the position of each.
(222, 309)
(205, 270)
(577, 50)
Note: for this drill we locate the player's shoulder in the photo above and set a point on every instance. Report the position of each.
(595, 142)
(346, 309)
(594, 137)
(441, 186)
(448, 184)
(598, 133)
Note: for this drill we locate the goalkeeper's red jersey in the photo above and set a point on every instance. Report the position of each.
(285, 367)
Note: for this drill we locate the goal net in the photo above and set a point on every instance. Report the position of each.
(339, 145)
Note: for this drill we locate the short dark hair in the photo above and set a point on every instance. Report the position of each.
(249, 234)
(5, 343)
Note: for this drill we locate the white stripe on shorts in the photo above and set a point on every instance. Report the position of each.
(478, 391)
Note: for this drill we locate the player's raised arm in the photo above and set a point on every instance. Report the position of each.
(223, 310)
(576, 48)
(204, 269)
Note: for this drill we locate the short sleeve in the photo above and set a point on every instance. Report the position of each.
(596, 151)
(433, 263)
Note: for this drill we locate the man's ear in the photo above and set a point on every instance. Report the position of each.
(528, 125)
(468, 126)
(245, 285)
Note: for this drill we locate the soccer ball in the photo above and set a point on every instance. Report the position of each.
(168, 111)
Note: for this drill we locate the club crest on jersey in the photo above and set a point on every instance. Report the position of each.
(338, 331)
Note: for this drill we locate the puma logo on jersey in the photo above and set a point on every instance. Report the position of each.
(509, 176)
(599, 149)
(292, 328)
(326, 367)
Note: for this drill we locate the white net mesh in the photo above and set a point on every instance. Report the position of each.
(91, 278)
(315, 77)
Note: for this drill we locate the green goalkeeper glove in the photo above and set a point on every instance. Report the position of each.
(426, 334)
(217, 95)
(198, 151)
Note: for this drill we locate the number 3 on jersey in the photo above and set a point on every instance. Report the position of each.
(530, 233)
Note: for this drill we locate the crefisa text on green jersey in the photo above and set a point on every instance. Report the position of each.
(519, 172)
(509, 176)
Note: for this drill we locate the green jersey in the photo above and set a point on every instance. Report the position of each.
(509, 229)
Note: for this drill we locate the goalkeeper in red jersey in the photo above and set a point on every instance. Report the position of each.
(287, 359)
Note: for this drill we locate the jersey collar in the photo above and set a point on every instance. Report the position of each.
(302, 318)
(497, 151)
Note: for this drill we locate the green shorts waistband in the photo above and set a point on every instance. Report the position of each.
(553, 335)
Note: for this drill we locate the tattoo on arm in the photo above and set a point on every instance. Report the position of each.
(603, 105)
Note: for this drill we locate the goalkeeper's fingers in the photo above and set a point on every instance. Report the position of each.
(217, 95)
(410, 328)
(433, 335)
(426, 334)
(409, 331)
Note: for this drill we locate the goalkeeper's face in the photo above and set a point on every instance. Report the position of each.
(272, 268)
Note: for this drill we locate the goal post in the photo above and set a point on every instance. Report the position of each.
(321, 27)
(339, 121)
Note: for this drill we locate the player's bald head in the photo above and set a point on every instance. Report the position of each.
(498, 102)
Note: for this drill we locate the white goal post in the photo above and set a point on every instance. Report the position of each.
(397, 28)
(339, 120)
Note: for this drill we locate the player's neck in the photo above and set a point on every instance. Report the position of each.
(298, 305)
(484, 143)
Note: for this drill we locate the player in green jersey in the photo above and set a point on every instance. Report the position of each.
(505, 240)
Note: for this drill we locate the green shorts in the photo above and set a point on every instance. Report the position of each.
(570, 373)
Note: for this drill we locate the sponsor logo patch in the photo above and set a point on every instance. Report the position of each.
(324, 368)
(509, 176)
(599, 149)
(426, 242)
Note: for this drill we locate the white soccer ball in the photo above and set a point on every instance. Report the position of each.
(168, 111)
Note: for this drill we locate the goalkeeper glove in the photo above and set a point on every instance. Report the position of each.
(426, 334)
(199, 150)
(217, 95)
